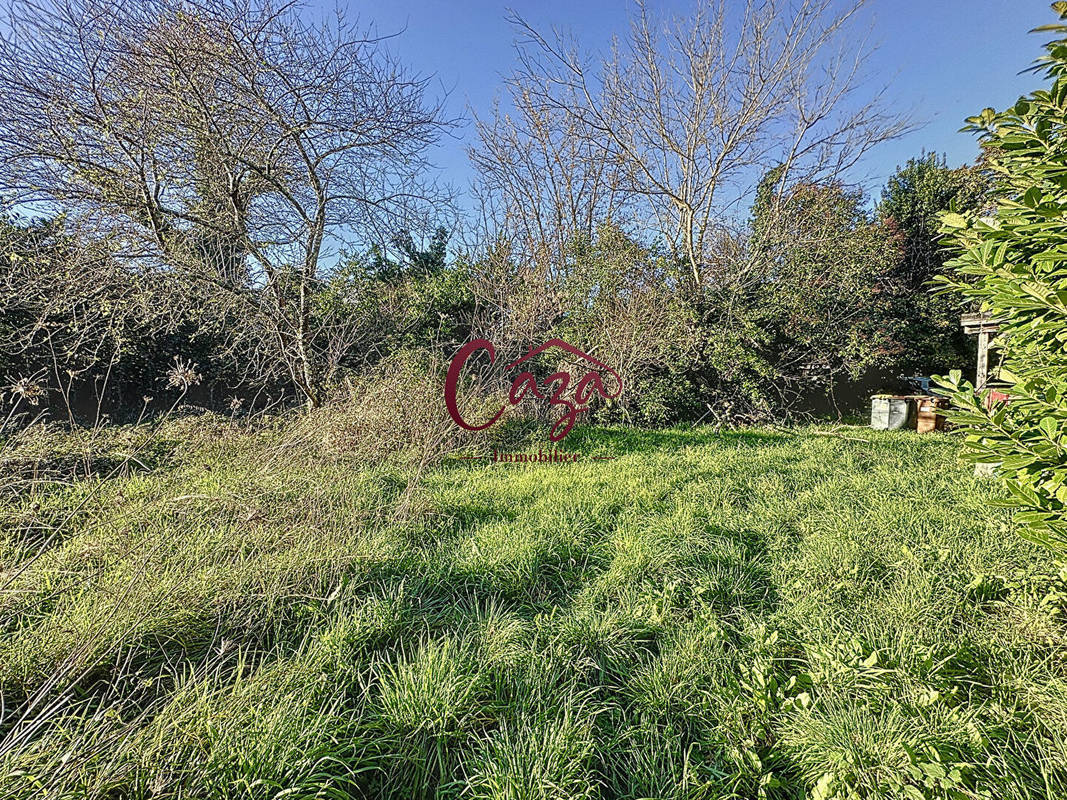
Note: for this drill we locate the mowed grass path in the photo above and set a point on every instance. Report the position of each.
(747, 614)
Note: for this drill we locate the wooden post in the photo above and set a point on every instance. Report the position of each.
(982, 376)
(986, 328)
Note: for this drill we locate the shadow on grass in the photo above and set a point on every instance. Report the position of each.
(592, 440)
(56, 471)
(629, 440)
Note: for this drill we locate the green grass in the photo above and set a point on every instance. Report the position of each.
(748, 614)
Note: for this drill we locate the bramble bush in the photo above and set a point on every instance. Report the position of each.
(1013, 265)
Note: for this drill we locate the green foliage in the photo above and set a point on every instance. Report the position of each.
(755, 614)
(928, 337)
(404, 299)
(407, 258)
(822, 294)
(1013, 265)
(620, 301)
(809, 308)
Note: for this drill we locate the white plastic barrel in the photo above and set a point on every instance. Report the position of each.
(889, 413)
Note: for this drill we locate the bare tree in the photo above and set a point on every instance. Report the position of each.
(68, 310)
(543, 180)
(230, 143)
(690, 111)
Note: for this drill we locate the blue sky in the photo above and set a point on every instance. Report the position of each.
(942, 59)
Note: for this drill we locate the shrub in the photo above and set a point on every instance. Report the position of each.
(802, 303)
(396, 411)
(1013, 265)
(928, 337)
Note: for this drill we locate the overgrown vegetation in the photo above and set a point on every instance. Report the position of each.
(227, 204)
(235, 614)
(925, 325)
(1012, 265)
(239, 187)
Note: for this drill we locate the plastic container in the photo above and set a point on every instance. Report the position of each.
(889, 413)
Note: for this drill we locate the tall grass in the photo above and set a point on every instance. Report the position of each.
(240, 614)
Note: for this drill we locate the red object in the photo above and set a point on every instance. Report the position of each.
(526, 383)
(996, 397)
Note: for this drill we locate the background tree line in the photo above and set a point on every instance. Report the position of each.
(239, 194)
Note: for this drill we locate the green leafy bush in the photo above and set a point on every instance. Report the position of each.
(926, 325)
(1013, 265)
(817, 295)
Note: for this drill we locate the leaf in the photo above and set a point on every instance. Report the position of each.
(1049, 426)
(953, 220)
(934, 770)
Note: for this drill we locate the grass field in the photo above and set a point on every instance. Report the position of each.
(748, 614)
